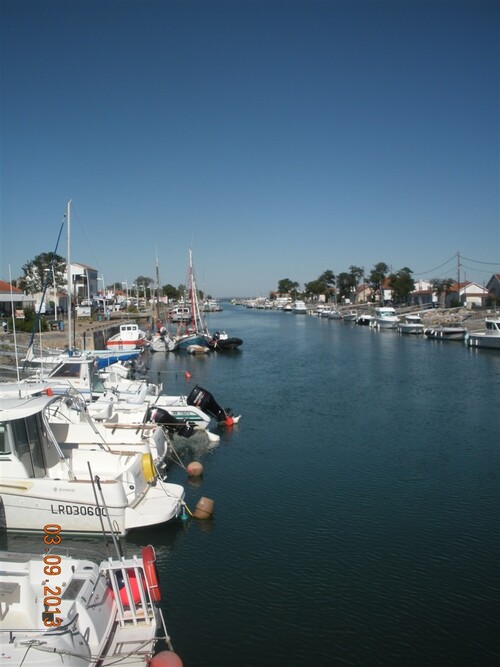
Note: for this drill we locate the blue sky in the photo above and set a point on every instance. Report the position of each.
(277, 139)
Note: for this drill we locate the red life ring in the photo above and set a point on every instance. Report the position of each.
(151, 572)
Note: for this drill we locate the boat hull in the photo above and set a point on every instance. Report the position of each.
(446, 333)
(484, 340)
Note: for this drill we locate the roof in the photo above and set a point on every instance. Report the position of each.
(7, 288)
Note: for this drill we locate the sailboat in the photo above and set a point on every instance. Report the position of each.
(193, 335)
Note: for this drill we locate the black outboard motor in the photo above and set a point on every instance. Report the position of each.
(203, 399)
(173, 424)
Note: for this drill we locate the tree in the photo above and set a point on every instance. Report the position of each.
(357, 275)
(48, 268)
(377, 278)
(170, 291)
(314, 288)
(441, 285)
(402, 284)
(287, 286)
(345, 285)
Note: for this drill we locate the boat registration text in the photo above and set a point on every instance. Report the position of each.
(78, 510)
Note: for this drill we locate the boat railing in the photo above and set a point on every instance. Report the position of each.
(62, 629)
(133, 605)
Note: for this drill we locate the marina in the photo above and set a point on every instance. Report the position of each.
(355, 504)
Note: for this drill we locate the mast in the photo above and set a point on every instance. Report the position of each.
(191, 289)
(157, 289)
(68, 260)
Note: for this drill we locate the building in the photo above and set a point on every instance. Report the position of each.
(13, 299)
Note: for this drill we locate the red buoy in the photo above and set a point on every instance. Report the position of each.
(229, 421)
(194, 469)
(134, 588)
(165, 659)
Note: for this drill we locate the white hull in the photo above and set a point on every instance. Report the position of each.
(484, 340)
(408, 328)
(58, 609)
(29, 504)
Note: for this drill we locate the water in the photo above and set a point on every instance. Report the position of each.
(356, 503)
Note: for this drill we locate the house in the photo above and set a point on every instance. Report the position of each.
(12, 297)
(364, 293)
(468, 294)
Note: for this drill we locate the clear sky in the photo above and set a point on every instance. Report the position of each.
(276, 139)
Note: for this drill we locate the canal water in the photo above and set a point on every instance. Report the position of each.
(357, 501)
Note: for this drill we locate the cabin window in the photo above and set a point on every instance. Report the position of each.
(28, 442)
(67, 371)
(4, 440)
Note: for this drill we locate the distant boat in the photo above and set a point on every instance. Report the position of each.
(130, 337)
(211, 306)
(446, 333)
(221, 341)
(411, 325)
(386, 318)
(299, 308)
(490, 337)
(194, 331)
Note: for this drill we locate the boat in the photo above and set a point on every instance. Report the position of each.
(412, 325)
(350, 315)
(60, 608)
(446, 333)
(130, 337)
(299, 308)
(162, 341)
(334, 314)
(222, 342)
(114, 398)
(197, 349)
(179, 314)
(194, 330)
(489, 338)
(385, 317)
(47, 479)
(211, 306)
(365, 320)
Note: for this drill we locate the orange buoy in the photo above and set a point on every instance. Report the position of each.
(195, 469)
(204, 508)
(151, 572)
(165, 659)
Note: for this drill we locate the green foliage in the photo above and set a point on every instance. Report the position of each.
(48, 267)
(377, 277)
(402, 284)
(287, 286)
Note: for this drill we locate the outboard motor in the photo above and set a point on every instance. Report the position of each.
(173, 424)
(203, 399)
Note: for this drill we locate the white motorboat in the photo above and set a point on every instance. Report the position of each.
(334, 314)
(386, 318)
(130, 337)
(365, 320)
(67, 610)
(350, 315)
(490, 337)
(44, 479)
(411, 325)
(446, 333)
(299, 308)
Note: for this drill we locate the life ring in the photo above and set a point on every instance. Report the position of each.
(151, 572)
(148, 467)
